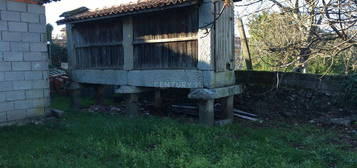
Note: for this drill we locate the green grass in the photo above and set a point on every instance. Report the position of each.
(82, 139)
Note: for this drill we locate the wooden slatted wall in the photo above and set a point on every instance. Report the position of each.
(166, 39)
(98, 45)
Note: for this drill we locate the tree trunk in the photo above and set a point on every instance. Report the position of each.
(244, 45)
(304, 56)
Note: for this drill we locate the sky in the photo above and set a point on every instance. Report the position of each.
(54, 9)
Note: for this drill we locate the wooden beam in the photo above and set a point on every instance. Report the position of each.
(70, 47)
(100, 45)
(151, 41)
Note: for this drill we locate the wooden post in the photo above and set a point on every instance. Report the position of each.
(206, 112)
(72, 61)
(99, 94)
(227, 107)
(244, 44)
(132, 104)
(75, 88)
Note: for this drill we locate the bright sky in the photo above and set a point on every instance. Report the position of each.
(54, 9)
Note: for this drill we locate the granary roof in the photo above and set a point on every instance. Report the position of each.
(46, 1)
(126, 9)
(36, 1)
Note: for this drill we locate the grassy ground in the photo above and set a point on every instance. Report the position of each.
(82, 139)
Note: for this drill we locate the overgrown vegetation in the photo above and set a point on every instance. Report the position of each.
(350, 95)
(277, 41)
(83, 139)
(303, 36)
(57, 52)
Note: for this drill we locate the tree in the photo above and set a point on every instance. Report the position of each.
(326, 28)
(275, 40)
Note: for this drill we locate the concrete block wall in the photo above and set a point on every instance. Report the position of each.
(24, 86)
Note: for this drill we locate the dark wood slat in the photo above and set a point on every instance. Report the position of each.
(99, 44)
(166, 39)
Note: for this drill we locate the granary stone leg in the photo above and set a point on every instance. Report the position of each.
(99, 94)
(132, 104)
(206, 112)
(158, 100)
(75, 92)
(206, 99)
(227, 108)
(133, 96)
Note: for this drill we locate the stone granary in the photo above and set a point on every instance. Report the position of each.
(157, 44)
(24, 83)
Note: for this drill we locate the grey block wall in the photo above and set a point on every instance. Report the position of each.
(24, 86)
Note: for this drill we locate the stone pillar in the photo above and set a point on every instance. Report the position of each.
(206, 99)
(206, 36)
(206, 43)
(99, 94)
(75, 91)
(227, 108)
(133, 96)
(132, 104)
(158, 100)
(206, 112)
(128, 44)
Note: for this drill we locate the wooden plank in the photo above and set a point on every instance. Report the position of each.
(142, 41)
(99, 45)
(161, 40)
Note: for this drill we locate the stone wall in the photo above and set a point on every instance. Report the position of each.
(322, 83)
(296, 95)
(24, 87)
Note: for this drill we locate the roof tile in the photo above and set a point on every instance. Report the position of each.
(125, 9)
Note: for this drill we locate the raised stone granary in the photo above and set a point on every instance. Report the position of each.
(24, 87)
(157, 44)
